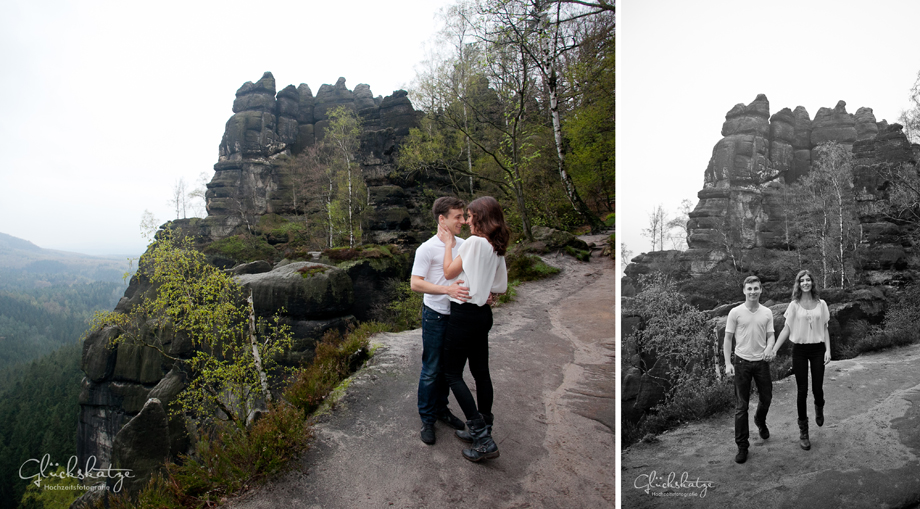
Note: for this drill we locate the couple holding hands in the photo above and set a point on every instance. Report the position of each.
(459, 279)
(751, 326)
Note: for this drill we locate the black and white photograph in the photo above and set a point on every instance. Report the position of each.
(769, 224)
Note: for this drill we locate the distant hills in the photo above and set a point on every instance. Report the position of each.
(23, 264)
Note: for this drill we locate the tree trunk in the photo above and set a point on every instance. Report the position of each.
(263, 377)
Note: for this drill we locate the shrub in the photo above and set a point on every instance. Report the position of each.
(335, 358)
(404, 312)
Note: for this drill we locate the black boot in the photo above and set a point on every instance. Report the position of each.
(803, 434)
(819, 415)
(465, 435)
(483, 446)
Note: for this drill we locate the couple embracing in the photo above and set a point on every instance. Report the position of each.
(459, 279)
(751, 326)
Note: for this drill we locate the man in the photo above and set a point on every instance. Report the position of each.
(428, 278)
(753, 326)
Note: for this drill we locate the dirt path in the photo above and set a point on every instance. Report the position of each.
(866, 455)
(552, 362)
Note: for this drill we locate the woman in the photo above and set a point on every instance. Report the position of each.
(480, 262)
(806, 327)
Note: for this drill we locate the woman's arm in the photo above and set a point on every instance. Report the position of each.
(783, 336)
(827, 334)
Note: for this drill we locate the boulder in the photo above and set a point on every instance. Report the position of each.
(98, 359)
(300, 290)
(141, 448)
(555, 239)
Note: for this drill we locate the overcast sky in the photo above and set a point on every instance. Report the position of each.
(682, 65)
(104, 105)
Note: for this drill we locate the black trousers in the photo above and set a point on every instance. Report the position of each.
(802, 357)
(745, 373)
(467, 338)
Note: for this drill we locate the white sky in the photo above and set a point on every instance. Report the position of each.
(104, 105)
(682, 65)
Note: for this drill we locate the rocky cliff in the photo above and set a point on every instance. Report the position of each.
(252, 183)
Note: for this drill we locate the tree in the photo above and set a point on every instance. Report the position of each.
(179, 198)
(229, 367)
(657, 224)
(537, 28)
(824, 221)
(910, 119)
(679, 224)
(343, 138)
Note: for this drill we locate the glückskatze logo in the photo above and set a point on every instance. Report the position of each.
(39, 469)
(669, 486)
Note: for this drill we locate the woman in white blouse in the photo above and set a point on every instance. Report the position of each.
(806, 326)
(480, 263)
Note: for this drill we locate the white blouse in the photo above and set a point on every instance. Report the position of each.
(484, 271)
(807, 326)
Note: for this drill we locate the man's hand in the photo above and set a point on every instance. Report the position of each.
(491, 299)
(455, 291)
(729, 369)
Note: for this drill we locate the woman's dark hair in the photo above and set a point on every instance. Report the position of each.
(489, 220)
(797, 290)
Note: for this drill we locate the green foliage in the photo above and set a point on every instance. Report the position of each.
(308, 271)
(243, 248)
(335, 358)
(404, 311)
(36, 321)
(57, 491)
(610, 220)
(509, 294)
(578, 254)
(196, 300)
(39, 408)
(525, 267)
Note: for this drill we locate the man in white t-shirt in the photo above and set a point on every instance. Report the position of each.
(752, 325)
(428, 278)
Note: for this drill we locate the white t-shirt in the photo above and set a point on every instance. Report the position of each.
(429, 263)
(750, 329)
(483, 270)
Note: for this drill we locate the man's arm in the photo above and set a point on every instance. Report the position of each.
(418, 284)
(768, 353)
(727, 352)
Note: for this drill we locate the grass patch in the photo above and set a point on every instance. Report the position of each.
(524, 267)
(310, 271)
(372, 251)
(578, 254)
(242, 248)
(611, 219)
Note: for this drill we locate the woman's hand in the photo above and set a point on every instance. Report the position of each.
(445, 236)
(827, 356)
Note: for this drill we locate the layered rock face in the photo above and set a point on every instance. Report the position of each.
(741, 205)
(250, 179)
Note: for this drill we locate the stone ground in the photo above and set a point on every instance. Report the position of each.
(553, 370)
(867, 454)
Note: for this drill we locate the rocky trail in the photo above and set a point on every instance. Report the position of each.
(552, 360)
(867, 454)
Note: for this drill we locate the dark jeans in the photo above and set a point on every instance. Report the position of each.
(432, 385)
(468, 338)
(802, 355)
(759, 372)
